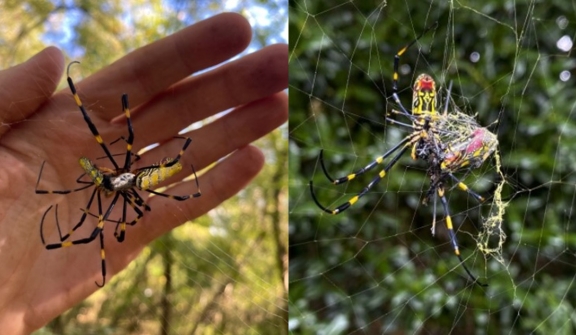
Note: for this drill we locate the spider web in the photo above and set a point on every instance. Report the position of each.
(376, 268)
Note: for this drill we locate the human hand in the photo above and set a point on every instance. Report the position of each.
(40, 125)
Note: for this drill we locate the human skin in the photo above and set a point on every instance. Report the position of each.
(38, 124)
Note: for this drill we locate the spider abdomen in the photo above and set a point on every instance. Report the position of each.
(472, 152)
(152, 176)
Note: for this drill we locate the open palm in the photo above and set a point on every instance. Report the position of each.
(35, 284)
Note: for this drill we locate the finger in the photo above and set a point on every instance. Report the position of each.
(250, 78)
(230, 132)
(25, 87)
(218, 184)
(151, 69)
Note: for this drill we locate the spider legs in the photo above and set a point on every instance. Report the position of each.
(432, 193)
(363, 170)
(402, 51)
(88, 184)
(130, 140)
(97, 232)
(86, 117)
(134, 200)
(466, 189)
(78, 225)
(404, 145)
(452, 235)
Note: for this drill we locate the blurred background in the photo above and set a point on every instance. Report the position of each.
(376, 268)
(225, 273)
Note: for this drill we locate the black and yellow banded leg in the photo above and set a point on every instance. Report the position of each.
(138, 199)
(452, 235)
(130, 200)
(86, 117)
(402, 51)
(130, 139)
(187, 142)
(122, 223)
(83, 217)
(103, 261)
(466, 189)
(363, 170)
(88, 184)
(365, 190)
(170, 162)
(64, 238)
(67, 235)
(98, 231)
(100, 227)
(149, 176)
(136, 157)
(396, 75)
(86, 240)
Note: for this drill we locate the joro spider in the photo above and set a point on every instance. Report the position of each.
(446, 142)
(114, 182)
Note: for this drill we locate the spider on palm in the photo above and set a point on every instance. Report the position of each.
(117, 182)
(446, 142)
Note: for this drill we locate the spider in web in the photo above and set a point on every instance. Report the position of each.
(117, 182)
(447, 142)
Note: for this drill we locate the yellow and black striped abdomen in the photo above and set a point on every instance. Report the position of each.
(152, 176)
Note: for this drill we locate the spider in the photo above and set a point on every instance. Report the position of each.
(118, 182)
(447, 142)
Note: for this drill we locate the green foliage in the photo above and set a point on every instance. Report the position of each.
(376, 268)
